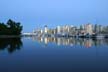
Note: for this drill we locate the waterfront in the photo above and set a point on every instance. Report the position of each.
(38, 54)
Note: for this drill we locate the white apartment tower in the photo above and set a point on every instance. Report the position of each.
(46, 29)
(89, 29)
(58, 29)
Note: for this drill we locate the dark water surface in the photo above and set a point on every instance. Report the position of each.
(32, 54)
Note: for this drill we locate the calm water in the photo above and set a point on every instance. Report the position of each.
(32, 54)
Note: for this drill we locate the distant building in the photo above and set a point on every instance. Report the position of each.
(82, 29)
(58, 30)
(45, 29)
(41, 31)
(89, 29)
(66, 29)
(97, 28)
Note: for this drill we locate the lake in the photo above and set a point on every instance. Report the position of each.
(36, 54)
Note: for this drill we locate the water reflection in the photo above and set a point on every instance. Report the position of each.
(10, 44)
(72, 41)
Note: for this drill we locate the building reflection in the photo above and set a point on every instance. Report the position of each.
(10, 44)
(72, 41)
(88, 43)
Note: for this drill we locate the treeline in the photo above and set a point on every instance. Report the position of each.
(10, 28)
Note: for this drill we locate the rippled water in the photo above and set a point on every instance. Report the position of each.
(36, 54)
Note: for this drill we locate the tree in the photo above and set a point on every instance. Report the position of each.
(10, 28)
(3, 28)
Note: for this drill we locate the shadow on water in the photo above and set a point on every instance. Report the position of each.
(10, 44)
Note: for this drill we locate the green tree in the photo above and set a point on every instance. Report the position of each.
(3, 29)
(10, 28)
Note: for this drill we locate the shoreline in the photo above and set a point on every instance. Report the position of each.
(10, 36)
(92, 37)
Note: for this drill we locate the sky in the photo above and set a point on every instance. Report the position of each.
(35, 14)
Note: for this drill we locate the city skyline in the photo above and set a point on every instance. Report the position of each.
(35, 13)
(71, 29)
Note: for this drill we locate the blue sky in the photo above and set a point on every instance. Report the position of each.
(37, 13)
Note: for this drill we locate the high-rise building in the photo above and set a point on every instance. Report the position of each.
(58, 29)
(66, 29)
(46, 29)
(98, 28)
(89, 29)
